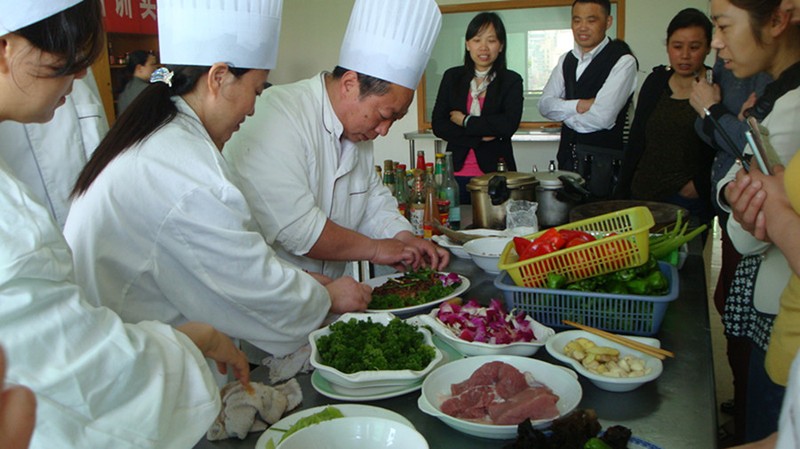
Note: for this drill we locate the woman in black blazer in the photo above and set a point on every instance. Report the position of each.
(479, 104)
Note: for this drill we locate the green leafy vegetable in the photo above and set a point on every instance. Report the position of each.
(412, 289)
(355, 345)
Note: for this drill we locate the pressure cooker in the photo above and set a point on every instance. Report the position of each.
(557, 193)
(491, 192)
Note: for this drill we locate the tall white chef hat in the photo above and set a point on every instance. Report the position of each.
(391, 39)
(16, 15)
(243, 33)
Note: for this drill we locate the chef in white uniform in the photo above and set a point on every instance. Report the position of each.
(305, 160)
(157, 229)
(97, 382)
(47, 157)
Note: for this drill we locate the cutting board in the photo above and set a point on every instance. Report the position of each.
(663, 213)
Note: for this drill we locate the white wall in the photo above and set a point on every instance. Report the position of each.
(312, 31)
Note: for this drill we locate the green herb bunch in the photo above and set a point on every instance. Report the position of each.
(354, 346)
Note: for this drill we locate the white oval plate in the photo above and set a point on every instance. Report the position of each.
(469, 348)
(393, 379)
(555, 346)
(346, 409)
(403, 312)
(332, 391)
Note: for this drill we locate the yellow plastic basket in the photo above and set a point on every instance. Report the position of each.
(629, 246)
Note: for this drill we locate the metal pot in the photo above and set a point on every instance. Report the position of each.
(557, 193)
(491, 192)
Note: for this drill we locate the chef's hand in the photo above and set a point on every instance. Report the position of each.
(434, 256)
(347, 295)
(704, 95)
(396, 254)
(17, 412)
(746, 198)
(220, 348)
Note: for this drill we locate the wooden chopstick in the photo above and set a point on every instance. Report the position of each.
(641, 347)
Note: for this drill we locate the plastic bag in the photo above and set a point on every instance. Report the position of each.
(521, 217)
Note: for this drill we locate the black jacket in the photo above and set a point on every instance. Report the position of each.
(500, 117)
(652, 88)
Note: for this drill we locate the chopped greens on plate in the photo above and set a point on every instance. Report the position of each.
(414, 288)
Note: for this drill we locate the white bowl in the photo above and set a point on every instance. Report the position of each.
(436, 388)
(356, 433)
(369, 379)
(485, 252)
(473, 348)
(457, 249)
(555, 346)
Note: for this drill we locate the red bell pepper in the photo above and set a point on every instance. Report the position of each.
(552, 238)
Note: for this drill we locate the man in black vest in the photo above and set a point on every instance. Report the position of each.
(592, 86)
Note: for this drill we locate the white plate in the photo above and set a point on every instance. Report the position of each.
(525, 349)
(326, 388)
(455, 248)
(346, 409)
(403, 312)
(555, 346)
(369, 379)
(562, 381)
(638, 443)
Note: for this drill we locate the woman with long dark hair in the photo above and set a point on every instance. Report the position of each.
(158, 228)
(479, 104)
(97, 382)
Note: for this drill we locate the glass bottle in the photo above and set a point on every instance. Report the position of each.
(388, 175)
(416, 203)
(420, 160)
(400, 192)
(438, 170)
(431, 212)
(451, 193)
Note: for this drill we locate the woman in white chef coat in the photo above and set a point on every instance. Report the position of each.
(97, 382)
(157, 228)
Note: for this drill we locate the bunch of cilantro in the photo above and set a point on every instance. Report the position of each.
(354, 346)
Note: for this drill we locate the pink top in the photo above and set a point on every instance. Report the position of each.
(471, 167)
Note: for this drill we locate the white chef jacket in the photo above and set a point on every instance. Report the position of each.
(611, 98)
(297, 171)
(99, 383)
(48, 157)
(163, 234)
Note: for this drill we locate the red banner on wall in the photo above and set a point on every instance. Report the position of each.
(130, 16)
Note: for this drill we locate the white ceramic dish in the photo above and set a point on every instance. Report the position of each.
(470, 348)
(486, 252)
(327, 389)
(361, 432)
(404, 312)
(458, 250)
(436, 388)
(348, 410)
(555, 346)
(370, 379)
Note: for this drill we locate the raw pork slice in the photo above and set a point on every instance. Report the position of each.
(534, 403)
(498, 393)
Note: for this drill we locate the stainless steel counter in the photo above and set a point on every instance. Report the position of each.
(677, 411)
